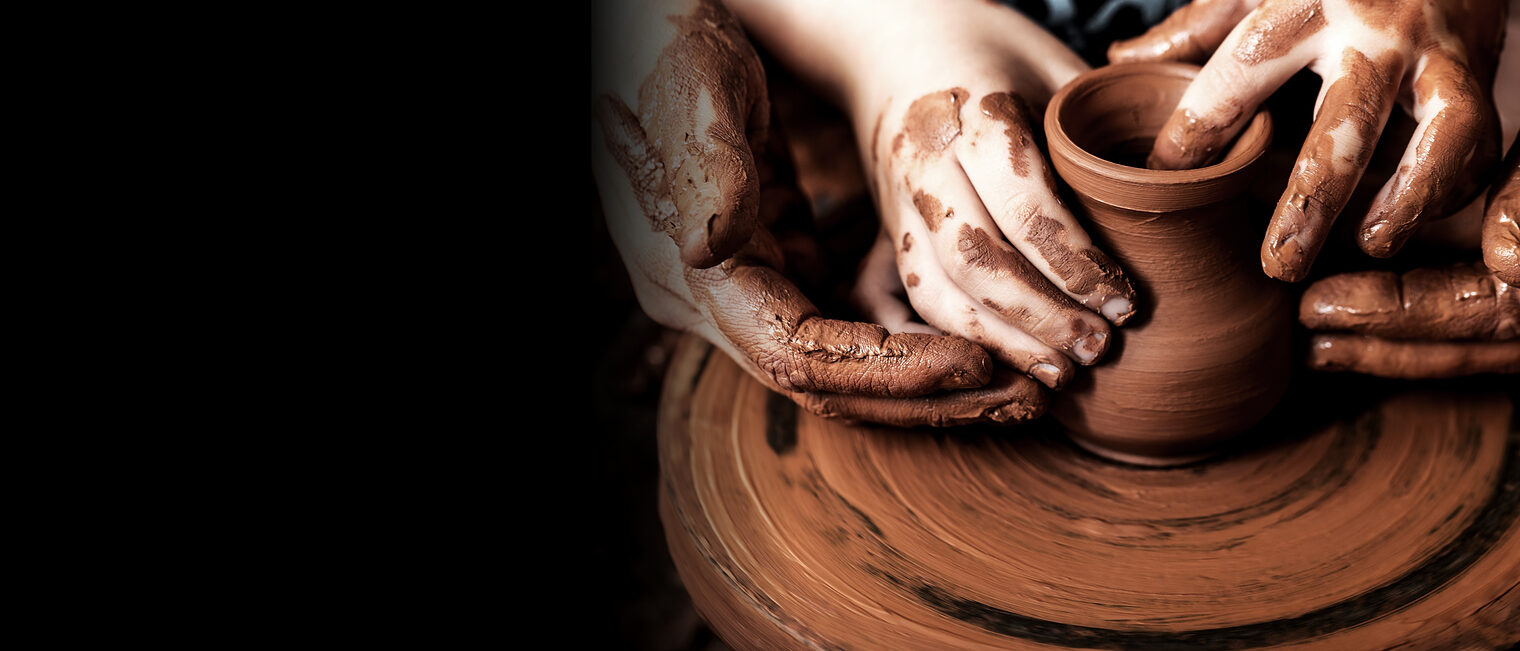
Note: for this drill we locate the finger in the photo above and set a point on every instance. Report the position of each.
(1447, 163)
(1351, 115)
(1011, 179)
(708, 89)
(952, 221)
(1008, 398)
(1460, 302)
(1501, 224)
(1189, 34)
(773, 324)
(625, 140)
(1263, 51)
(944, 305)
(877, 289)
(1412, 359)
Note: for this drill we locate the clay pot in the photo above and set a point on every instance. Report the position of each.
(1208, 355)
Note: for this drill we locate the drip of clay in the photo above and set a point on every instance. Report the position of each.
(1213, 356)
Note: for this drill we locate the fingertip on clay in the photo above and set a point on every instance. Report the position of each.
(1118, 310)
(1286, 261)
(1090, 348)
(1028, 403)
(1050, 375)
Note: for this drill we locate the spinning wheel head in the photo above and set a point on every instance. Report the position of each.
(1394, 522)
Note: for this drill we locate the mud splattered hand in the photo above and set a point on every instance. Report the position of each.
(689, 210)
(982, 244)
(1426, 323)
(1437, 57)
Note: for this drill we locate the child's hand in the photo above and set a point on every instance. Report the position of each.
(948, 114)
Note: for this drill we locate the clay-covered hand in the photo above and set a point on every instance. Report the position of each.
(689, 210)
(1501, 224)
(1426, 323)
(944, 97)
(1436, 57)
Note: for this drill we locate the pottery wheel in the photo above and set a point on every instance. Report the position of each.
(1393, 524)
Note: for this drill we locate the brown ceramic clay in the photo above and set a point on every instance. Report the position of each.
(1389, 522)
(1210, 354)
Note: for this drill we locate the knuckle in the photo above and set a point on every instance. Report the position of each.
(817, 404)
(1020, 206)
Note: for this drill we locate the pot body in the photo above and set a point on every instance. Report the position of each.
(1208, 354)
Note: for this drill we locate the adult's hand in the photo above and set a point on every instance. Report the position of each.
(1426, 323)
(1436, 56)
(690, 216)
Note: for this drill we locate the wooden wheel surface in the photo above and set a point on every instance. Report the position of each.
(1389, 521)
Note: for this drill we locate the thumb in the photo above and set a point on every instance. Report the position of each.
(706, 94)
(1190, 34)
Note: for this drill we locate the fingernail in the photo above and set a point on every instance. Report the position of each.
(1090, 347)
(1381, 239)
(1287, 258)
(1118, 310)
(1047, 374)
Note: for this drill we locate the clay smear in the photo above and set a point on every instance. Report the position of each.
(1332, 160)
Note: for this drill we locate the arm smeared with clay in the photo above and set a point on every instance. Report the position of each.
(946, 100)
(690, 209)
(1438, 57)
(1425, 323)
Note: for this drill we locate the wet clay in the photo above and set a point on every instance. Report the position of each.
(1278, 29)
(1014, 113)
(1355, 107)
(1007, 398)
(1462, 136)
(932, 122)
(930, 209)
(1083, 270)
(1412, 360)
(1213, 357)
(764, 315)
(1389, 523)
(1460, 302)
(1501, 225)
(1064, 331)
(1446, 49)
(708, 73)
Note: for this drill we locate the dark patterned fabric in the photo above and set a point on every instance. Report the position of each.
(1088, 26)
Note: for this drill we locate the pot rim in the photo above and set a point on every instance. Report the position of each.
(1141, 189)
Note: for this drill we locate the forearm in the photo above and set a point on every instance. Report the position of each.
(851, 50)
